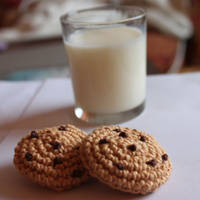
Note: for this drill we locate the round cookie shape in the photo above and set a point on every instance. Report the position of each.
(51, 157)
(126, 159)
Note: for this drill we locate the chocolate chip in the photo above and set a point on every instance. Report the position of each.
(119, 166)
(164, 157)
(55, 145)
(143, 138)
(77, 148)
(103, 141)
(123, 134)
(57, 161)
(28, 156)
(117, 130)
(131, 147)
(62, 128)
(151, 163)
(34, 134)
(77, 173)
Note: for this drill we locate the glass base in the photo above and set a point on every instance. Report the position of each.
(108, 118)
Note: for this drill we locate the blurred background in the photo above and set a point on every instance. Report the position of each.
(31, 46)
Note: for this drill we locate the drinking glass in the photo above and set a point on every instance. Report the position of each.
(106, 51)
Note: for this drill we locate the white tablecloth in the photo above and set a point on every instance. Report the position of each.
(172, 115)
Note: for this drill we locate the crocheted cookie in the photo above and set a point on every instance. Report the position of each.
(51, 157)
(125, 159)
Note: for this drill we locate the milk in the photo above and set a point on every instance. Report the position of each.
(108, 68)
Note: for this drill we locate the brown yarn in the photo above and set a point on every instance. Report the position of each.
(51, 157)
(127, 163)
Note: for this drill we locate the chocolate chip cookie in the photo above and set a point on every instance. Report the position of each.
(126, 159)
(51, 157)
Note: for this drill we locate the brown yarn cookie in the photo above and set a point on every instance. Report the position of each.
(51, 157)
(126, 159)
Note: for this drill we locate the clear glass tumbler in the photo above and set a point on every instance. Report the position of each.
(106, 50)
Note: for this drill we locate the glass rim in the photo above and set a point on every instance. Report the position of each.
(67, 20)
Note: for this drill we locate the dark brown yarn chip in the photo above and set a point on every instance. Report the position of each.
(28, 156)
(119, 166)
(123, 134)
(34, 134)
(55, 145)
(143, 138)
(164, 157)
(57, 161)
(77, 148)
(117, 130)
(132, 147)
(62, 128)
(151, 163)
(103, 141)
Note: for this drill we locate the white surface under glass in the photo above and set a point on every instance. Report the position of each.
(172, 116)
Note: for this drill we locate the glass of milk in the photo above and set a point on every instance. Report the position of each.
(106, 50)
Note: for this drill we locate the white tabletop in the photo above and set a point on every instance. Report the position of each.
(172, 115)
